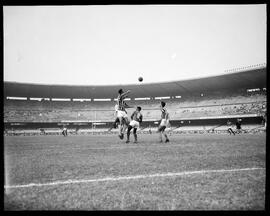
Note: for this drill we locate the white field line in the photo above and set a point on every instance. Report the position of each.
(130, 177)
(127, 146)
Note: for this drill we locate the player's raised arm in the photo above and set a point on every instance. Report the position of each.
(123, 95)
(127, 106)
(132, 115)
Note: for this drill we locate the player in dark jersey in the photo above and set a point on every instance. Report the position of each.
(136, 119)
(164, 122)
(121, 112)
(238, 126)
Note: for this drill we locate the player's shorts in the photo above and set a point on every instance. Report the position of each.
(161, 128)
(122, 114)
(164, 122)
(134, 124)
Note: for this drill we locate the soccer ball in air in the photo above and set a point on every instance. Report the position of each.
(140, 79)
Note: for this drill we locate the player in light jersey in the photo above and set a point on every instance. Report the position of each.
(230, 130)
(64, 131)
(136, 119)
(121, 112)
(164, 122)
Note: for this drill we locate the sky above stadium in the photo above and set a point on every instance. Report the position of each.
(115, 44)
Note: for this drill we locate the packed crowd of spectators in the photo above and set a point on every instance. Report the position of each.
(53, 111)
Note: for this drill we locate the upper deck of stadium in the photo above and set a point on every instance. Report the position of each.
(230, 81)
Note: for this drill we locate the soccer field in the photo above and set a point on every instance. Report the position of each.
(102, 172)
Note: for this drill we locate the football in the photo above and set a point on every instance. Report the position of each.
(140, 79)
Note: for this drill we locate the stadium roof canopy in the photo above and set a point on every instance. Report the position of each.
(248, 79)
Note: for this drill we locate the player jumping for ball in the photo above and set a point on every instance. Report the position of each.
(136, 119)
(164, 122)
(121, 112)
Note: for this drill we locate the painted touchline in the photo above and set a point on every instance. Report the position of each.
(129, 177)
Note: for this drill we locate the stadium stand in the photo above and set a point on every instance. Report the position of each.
(223, 97)
(34, 111)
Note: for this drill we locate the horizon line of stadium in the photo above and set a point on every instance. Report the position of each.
(252, 79)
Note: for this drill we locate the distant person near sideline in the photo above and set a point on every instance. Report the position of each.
(238, 126)
(229, 124)
(164, 122)
(265, 119)
(136, 119)
(150, 131)
(121, 112)
(64, 131)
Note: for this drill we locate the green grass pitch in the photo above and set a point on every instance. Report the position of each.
(54, 159)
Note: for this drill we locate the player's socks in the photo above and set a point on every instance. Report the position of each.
(135, 138)
(128, 132)
(121, 136)
(167, 140)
